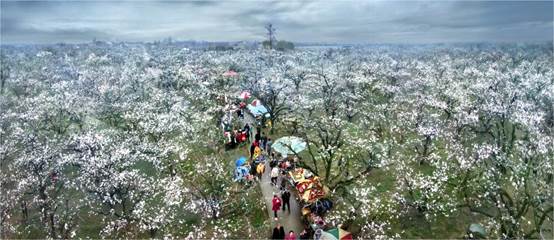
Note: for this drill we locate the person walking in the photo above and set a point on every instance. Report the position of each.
(239, 113)
(252, 148)
(286, 199)
(273, 161)
(291, 236)
(268, 146)
(247, 129)
(258, 136)
(278, 232)
(260, 169)
(252, 168)
(276, 204)
(274, 175)
(264, 141)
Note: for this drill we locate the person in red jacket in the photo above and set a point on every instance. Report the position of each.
(291, 236)
(276, 204)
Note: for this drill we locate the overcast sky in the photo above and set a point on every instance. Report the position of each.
(353, 21)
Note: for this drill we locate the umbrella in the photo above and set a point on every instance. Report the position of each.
(288, 145)
(230, 73)
(340, 234)
(256, 108)
(240, 161)
(245, 95)
(477, 229)
(250, 99)
(323, 235)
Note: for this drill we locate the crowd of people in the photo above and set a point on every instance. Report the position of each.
(259, 152)
(282, 202)
(259, 149)
(262, 156)
(234, 134)
(279, 233)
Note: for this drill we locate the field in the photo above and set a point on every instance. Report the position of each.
(120, 140)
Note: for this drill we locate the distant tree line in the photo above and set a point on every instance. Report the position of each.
(272, 43)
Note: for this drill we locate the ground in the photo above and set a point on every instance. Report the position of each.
(290, 221)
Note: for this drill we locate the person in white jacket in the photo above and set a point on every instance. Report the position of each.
(274, 175)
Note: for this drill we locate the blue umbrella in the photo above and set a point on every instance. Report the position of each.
(240, 161)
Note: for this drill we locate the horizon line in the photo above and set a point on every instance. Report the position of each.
(165, 41)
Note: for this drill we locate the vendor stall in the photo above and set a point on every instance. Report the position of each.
(257, 109)
(311, 192)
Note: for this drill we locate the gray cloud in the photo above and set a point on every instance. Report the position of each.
(301, 21)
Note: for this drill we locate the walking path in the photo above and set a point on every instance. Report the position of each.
(289, 221)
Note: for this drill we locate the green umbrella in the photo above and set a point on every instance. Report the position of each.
(288, 145)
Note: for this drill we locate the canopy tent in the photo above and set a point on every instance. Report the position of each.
(310, 190)
(300, 174)
(288, 145)
(257, 108)
(313, 194)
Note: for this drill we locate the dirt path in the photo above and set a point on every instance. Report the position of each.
(290, 221)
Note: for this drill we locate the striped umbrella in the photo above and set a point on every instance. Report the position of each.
(340, 234)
